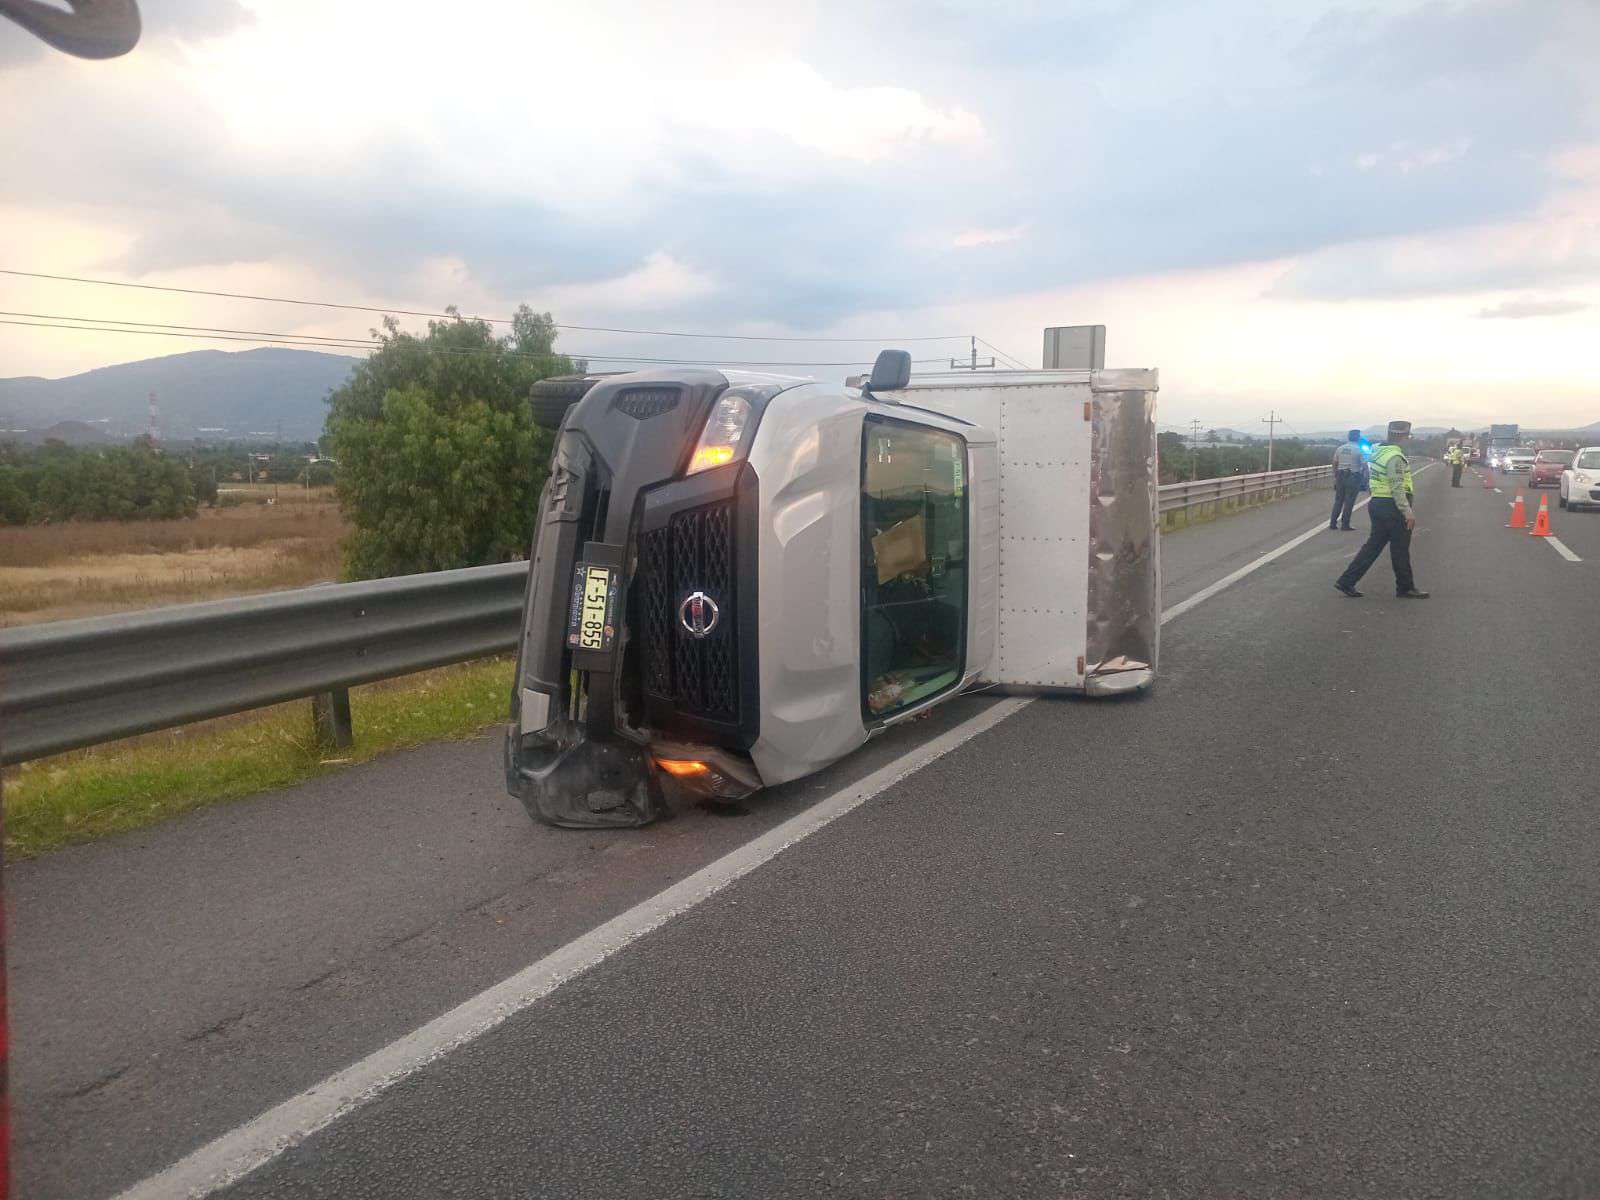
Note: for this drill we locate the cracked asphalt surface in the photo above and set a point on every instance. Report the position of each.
(1316, 918)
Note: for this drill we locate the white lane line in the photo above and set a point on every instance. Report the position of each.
(1498, 492)
(1205, 593)
(250, 1146)
(1560, 548)
(235, 1154)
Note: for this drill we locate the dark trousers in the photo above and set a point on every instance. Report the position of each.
(1388, 529)
(1455, 474)
(1346, 487)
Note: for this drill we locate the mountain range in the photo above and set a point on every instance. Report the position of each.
(220, 395)
(215, 395)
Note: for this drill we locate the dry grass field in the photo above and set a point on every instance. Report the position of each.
(53, 572)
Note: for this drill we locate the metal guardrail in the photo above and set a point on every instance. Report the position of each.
(68, 684)
(1180, 497)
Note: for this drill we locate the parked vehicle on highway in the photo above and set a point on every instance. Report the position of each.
(1548, 466)
(738, 579)
(1580, 482)
(1518, 458)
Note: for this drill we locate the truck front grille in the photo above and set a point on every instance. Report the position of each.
(694, 552)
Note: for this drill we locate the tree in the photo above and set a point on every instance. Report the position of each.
(440, 463)
(14, 506)
(59, 483)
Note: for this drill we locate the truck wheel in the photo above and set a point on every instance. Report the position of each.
(552, 397)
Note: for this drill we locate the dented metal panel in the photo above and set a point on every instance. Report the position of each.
(1124, 593)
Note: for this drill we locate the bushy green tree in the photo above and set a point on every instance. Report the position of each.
(59, 483)
(14, 504)
(440, 463)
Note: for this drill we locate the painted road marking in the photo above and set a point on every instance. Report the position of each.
(236, 1154)
(1560, 548)
(1205, 593)
(248, 1147)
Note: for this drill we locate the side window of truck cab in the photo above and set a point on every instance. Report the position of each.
(913, 565)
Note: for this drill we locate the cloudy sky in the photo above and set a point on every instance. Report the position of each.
(1341, 211)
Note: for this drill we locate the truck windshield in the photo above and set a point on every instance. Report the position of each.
(914, 564)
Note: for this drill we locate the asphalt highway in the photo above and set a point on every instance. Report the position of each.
(1315, 918)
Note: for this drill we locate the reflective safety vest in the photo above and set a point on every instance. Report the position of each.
(1381, 456)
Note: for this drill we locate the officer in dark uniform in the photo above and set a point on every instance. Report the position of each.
(1392, 518)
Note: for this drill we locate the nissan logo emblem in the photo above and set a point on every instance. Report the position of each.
(698, 614)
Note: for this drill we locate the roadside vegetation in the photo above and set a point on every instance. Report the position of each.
(51, 572)
(128, 785)
(440, 463)
(57, 482)
(1179, 463)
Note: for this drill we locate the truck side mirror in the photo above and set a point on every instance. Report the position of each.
(891, 372)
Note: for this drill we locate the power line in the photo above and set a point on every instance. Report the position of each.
(408, 312)
(215, 337)
(185, 331)
(193, 328)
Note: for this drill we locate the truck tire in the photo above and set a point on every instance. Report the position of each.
(551, 398)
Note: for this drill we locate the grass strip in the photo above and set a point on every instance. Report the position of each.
(88, 794)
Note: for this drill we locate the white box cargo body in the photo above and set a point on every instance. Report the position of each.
(1073, 538)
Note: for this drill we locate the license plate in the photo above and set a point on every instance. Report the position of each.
(591, 622)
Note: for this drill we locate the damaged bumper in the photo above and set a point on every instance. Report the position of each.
(636, 679)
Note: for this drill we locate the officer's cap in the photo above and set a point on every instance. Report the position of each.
(1399, 429)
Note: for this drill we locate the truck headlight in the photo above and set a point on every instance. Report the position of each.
(724, 431)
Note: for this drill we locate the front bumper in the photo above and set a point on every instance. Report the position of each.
(587, 725)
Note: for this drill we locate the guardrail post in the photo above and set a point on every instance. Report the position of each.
(330, 719)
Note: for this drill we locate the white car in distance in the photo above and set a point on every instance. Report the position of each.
(1518, 458)
(1580, 483)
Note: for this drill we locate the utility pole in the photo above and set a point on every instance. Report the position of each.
(1194, 448)
(1271, 421)
(957, 365)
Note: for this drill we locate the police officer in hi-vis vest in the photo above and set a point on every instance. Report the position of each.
(1392, 518)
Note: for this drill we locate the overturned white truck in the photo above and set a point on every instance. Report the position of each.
(739, 579)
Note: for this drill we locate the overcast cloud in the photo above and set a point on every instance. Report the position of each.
(808, 167)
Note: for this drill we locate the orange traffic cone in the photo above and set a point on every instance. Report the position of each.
(1488, 480)
(1519, 519)
(1541, 523)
